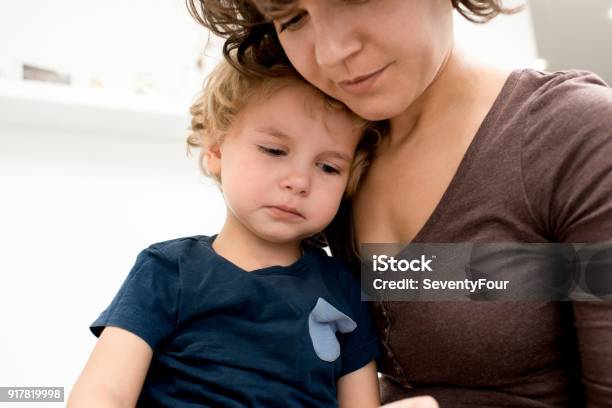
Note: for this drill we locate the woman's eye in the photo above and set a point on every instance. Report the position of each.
(271, 151)
(293, 23)
(329, 169)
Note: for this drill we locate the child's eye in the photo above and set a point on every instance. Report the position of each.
(271, 151)
(293, 23)
(329, 169)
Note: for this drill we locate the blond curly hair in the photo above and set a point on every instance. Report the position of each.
(226, 91)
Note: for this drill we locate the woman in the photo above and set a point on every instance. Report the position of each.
(472, 154)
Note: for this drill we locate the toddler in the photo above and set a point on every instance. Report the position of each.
(254, 316)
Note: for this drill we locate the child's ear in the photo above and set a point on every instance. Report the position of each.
(213, 160)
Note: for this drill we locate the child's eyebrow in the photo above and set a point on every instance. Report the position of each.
(272, 131)
(338, 155)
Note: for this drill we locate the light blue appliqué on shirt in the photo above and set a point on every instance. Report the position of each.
(323, 323)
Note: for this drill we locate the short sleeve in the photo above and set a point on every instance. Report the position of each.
(566, 158)
(567, 170)
(147, 302)
(362, 345)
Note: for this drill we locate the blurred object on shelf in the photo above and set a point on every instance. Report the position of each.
(200, 64)
(144, 84)
(34, 73)
(96, 83)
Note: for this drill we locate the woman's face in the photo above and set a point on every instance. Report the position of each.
(376, 56)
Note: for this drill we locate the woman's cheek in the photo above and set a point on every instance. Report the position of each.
(302, 57)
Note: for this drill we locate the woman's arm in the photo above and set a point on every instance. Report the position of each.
(566, 166)
(415, 402)
(114, 373)
(359, 389)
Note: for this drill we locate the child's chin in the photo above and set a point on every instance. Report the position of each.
(282, 237)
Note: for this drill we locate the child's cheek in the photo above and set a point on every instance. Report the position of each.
(257, 180)
(331, 197)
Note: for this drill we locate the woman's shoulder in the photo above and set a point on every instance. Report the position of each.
(566, 153)
(540, 108)
(549, 80)
(561, 108)
(573, 92)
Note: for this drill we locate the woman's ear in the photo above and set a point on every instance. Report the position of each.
(213, 160)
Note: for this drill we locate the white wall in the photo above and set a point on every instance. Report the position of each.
(506, 41)
(76, 209)
(122, 44)
(78, 204)
(84, 189)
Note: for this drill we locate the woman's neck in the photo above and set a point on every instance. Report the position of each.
(458, 85)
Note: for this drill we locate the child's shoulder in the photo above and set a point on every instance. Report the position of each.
(324, 257)
(174, 249)
(336, 269)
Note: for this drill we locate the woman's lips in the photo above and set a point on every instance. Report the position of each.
(361, 84)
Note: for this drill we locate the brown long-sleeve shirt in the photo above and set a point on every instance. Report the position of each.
(538, 170)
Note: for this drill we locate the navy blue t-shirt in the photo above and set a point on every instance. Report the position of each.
(225, 337)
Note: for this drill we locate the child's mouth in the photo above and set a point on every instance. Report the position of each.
(284, 212)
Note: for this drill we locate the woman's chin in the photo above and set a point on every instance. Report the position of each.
(375, 112)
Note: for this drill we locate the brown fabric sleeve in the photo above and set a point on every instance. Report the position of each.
(566, 164)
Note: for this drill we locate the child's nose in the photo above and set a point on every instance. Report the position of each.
(297, 183)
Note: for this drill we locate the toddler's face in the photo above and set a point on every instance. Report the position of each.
(285, 163)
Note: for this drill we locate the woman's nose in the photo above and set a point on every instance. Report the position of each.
(334, 43)
(297, 183)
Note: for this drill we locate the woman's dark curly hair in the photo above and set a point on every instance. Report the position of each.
(251, 44)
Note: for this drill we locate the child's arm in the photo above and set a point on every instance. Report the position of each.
(114, 373)
(359, 389)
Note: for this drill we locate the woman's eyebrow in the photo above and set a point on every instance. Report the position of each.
(278, 9)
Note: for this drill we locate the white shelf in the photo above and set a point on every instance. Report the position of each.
(62, 107)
